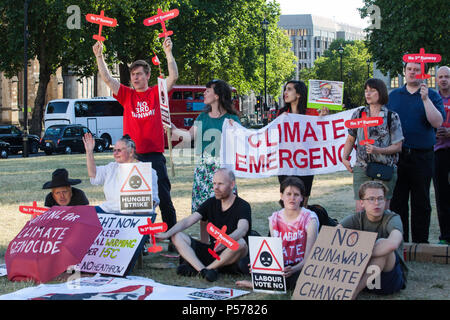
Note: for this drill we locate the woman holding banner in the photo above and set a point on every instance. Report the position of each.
(124, 152)
(206, 132)
(297, 226)
(388, 139)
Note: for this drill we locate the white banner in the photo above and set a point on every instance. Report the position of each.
(109, 288)
(292, 144)
(114, 247)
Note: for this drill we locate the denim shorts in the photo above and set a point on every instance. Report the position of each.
(359, 177)
(391, 281)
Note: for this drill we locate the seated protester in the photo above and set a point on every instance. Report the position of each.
(124, 152)
(224, 209)
(387, 253)
(63, 194)
(292, 219)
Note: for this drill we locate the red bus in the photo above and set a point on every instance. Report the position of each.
(186, 103)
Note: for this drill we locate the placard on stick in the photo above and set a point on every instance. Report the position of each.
(266, 260)
(325, 93)
(335, 264)
(136, 191)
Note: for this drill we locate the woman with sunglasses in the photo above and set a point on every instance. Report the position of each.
(124, 152)
(207, 132)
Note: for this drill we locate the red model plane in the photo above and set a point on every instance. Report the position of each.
(364, 123)
(221, 237)
(101, 20)
(34, 210)
(422, 58)
(151, 229)
(160, 18)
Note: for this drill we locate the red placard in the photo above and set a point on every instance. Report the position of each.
(364, 122)
(160, 18)
(151, 229)
(422, 58)
(34, 210)
(101, 20)
(221, 237)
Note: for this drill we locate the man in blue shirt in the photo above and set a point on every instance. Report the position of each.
(421, 111)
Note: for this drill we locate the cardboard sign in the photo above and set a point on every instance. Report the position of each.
(115, 246)
(422, 58)
(101, 20)
(34, 210)
(325, 93)
(335, 264)
(364, 122)
(164, 102)
(136, 192)
(266, 260)
(160, 18)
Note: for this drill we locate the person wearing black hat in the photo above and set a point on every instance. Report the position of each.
(63, 194)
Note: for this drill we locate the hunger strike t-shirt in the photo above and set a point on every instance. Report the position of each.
(142, 118)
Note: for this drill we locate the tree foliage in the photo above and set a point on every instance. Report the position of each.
(405, 27)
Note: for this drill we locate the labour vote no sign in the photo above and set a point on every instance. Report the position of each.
(136, 192)
(266, 261)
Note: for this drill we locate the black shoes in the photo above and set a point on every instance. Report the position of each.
(186, 270)
(209, 274)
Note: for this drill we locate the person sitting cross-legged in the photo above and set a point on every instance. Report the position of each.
(224, 209)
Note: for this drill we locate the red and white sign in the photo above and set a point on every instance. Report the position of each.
(160, 18)
(34, 210)
(136, 192)
(151, 229)
(422, 58)
(364, 122)
(101, 20)
(267, 264)
(164, 102)
(221, 238)
(292, 144)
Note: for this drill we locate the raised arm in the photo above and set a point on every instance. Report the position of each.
(112, 83)
(89, 144)
(171, 64)
(433, 115)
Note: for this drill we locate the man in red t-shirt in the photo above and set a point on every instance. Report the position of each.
(142, 118)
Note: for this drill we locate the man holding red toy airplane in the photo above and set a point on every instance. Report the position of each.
(224, 209)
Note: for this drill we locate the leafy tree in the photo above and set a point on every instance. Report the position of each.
(405, 27)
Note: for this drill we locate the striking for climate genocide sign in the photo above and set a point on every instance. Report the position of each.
(292, 144)
(335, 264)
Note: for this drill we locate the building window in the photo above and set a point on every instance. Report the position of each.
(431, 82)
(394, 82)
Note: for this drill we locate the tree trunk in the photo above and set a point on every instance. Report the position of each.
(39, 103)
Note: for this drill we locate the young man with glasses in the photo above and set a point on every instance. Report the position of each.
(387, 254)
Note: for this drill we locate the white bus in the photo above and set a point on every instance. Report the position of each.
(102, 115)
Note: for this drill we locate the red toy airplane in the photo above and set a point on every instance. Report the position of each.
(422, 58)
(101, 20)
(34, 210)
(221, 237)
(151, 229)
(160, 18)
(364, 123)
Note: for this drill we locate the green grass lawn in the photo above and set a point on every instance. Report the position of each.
(21, 181)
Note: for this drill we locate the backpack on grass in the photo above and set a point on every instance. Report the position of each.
(322, 214)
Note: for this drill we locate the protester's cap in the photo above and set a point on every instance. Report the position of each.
(60, 178)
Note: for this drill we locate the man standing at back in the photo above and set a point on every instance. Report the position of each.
(142, 118)
(421, 112)
(441, 177)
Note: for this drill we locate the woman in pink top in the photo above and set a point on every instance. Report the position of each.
(296, 226)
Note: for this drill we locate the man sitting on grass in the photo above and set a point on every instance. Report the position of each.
(63, 194)
(224, 209)
(387, 254)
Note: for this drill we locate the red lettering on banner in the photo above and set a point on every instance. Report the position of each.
(309, 132)
(332, 156)
(261, 163)
(251, 142)
(287, 158)
(268, 143)
(324, 131)
(291, 133)
(336, 128)
(303, 160)
(239, 161)
(312, 158)
(269, 161)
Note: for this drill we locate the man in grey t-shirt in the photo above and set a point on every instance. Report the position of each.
(387, 253)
